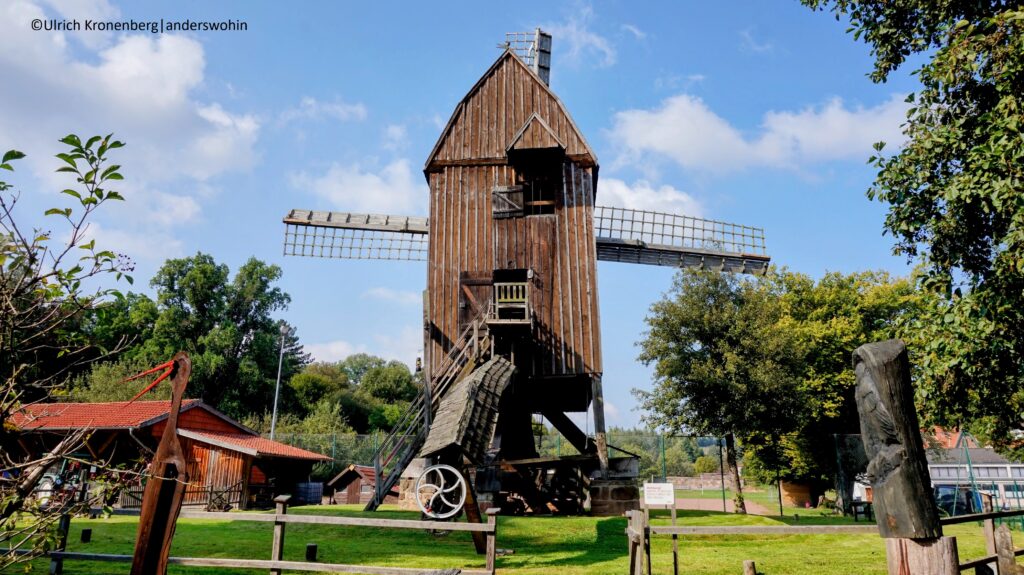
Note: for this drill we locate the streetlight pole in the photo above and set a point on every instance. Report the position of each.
(277, 387)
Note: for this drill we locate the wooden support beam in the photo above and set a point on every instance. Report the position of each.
(599, 430)
(573, 434)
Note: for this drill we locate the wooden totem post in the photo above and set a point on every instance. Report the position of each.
(165, 487)
(897, 468)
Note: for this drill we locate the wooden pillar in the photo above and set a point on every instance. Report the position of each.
(905, 511)
(989, 529)
(922, 556)
(635, 537)
(492, 535)
(63, 526)
(472, 509)
(1005, 552)
(277, 548)
(749, 568)
(600, 436)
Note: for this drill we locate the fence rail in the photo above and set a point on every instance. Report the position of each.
(280, 519)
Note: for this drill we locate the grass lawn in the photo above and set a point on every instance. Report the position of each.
(542, 545)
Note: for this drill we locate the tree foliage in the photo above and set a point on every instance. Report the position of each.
(955, 192)
(225, 324)
(723, 365)
(768, 359)
(47, 293)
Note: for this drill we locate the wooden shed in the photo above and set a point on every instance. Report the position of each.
(355, 484)
(228, 464)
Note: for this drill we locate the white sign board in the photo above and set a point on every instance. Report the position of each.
(659, 494)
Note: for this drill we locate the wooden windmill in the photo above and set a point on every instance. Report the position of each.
(512, 242)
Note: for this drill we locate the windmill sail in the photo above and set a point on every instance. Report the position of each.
(622, 235)
(355, 236)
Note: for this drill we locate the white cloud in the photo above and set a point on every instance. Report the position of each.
(396, 137)
(748, 42)
(405, 347)
(218, 149)
(143, 88)
(684, 129)
(401, 297)
(85, 9)
(332, 350)
(393, 189)
(583, 43)
(636, 32)
(138, 244)
(641, 195)
(312, 109)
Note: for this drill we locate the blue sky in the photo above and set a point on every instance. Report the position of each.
(757, 113)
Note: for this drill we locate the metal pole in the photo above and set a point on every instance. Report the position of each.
(778, 485)
(721, 471)
(277, 387)
(664, 464)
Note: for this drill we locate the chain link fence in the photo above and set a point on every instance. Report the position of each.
(660, 455)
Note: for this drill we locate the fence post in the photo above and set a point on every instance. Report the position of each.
(989, 529)
(492, 535)
(57, 563)
(1007, 560)
(635, 538)
(277, 549)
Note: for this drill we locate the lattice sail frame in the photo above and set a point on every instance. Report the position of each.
(355, 236)
(656, 238)
(678, 231)
(622, 235)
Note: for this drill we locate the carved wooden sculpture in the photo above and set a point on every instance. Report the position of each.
(165, 487)
(897, 467)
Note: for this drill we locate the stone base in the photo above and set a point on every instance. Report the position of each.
(406, 494)
(613, 497)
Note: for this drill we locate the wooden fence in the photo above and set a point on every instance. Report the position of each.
(280, 519)
(1001, 558)
(1002, 555)
(639, 532)
(210, 497)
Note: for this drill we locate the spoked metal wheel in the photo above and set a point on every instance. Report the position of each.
(441, 491)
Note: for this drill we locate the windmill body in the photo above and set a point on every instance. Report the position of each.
(512, 242)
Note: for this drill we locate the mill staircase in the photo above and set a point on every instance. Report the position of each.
(399, 448)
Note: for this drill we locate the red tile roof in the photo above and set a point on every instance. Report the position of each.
(114, 415)
(251, 444)
(126, 415)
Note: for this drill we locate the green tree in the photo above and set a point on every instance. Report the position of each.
(356, 365)
(224, 323)
(828, 319)
(724, 364)
(47, 290)
(955, 192)
(389, 383)
(706, 464)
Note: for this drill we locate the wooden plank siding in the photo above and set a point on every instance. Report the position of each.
(468, 162)
(210, 465)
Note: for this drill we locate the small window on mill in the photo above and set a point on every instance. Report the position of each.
(539, 172)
